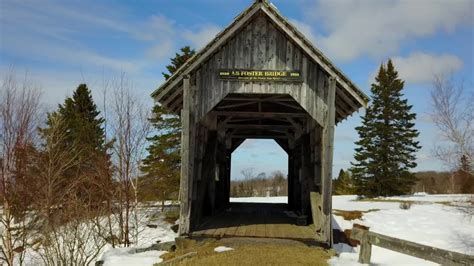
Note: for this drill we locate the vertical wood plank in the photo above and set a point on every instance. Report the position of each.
(327, 155)
(184, 190)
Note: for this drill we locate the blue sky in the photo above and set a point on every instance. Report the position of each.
(63, 43)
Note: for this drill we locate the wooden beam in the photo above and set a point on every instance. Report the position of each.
(298, 127)
(172, 97)
(185, 185)
(235, 105)
(297, 107)
(258, 114)
(258, 136)
(270, 99)
(175, 105)
(326, 167)
(258, 126)
(441, 256)
(342, 94)
(243, 119)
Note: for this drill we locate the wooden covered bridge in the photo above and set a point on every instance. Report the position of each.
(259, 78)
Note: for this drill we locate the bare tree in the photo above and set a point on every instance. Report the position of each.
(453, 114)
(247, 173)
(130, 128)
(19, 105)
(71, 240)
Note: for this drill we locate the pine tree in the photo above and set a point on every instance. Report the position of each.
(178, 61)
(344, 184)
(85, 134)
(387, 145)
(464, 175)
(465, 164)
(162, 165)
(161, 168)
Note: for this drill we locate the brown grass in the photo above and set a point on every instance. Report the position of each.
(171, 216)
(252, 254)
(352, 215)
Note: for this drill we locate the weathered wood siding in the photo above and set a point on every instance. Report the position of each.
(261, 46)
(206, 153)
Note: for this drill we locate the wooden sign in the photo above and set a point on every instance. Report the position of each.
(260, 75)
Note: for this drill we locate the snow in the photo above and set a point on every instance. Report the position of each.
(126, 257)
(222, 249)
(283, 199)
(146, 237)
(427, 222)
(431, 198)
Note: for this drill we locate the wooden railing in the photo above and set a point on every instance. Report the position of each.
(441, 256)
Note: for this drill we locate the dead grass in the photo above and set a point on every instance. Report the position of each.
(252, 254)
(352, 215)
(171, 216)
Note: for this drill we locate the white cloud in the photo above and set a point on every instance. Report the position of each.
(158, 27)
(421, 67)
(201, 37)
(161, 50)
(305, 29)
(376, 28)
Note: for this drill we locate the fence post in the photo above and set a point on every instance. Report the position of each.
(365, 248)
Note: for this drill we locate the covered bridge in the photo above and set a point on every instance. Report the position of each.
(258, 78)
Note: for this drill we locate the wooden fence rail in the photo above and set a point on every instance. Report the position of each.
(441, 256)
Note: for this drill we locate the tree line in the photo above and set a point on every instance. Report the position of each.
(261, 185)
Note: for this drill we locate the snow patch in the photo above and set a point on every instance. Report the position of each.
(281, 199)
(222, 249)
(126, 257)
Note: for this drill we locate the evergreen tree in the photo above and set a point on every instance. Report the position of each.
(85, 134)
(343, 185)
(465, 164)
(387, 145)
(464, 175)
(178, 61)
(161, 168)
(162, 165)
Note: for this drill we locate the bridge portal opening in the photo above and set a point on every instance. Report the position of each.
(259, 173)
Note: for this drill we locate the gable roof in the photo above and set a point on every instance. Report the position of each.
(352, 96)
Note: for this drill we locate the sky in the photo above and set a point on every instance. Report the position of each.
(60, 44)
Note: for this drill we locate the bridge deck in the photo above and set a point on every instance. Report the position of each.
(261, 220)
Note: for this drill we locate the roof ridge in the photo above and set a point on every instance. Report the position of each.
(197, 54)
(289, 29)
